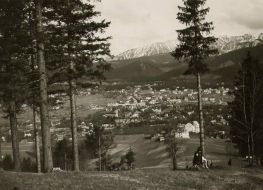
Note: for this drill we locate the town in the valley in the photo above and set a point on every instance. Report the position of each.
(135, 107)
(120, 94)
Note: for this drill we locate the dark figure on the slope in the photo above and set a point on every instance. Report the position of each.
(230, 162)
(197, 161)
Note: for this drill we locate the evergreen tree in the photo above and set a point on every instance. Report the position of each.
(8, 163)
(14, 42)
(33, 78)
(130, 158)
(76, 50)
(246, 110)
(195, 46)
(98, 140)
(63, 155)
(44, 112)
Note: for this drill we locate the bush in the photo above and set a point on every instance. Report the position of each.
(8, 163)
(27, 165)
(106, 163)
(127, 160)
(62, 155)
(130, 158)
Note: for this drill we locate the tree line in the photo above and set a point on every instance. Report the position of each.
(44, 42)
(246, 110)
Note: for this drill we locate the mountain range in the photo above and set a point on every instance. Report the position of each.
(154, 62)
(224, 44)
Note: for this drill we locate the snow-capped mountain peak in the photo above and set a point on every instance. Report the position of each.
(224, 44)
(148, 50)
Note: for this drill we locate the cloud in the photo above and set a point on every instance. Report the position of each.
(136, 23)
(139, 22)
(252, 23)
(248, 15)
(245, 13)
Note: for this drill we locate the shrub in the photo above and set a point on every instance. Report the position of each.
(27, 165)
(8, 163)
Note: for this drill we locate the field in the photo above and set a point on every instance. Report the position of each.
(84, 104)
(152, 154)
(153, 170)
(24, 148)
(83, 109)
(139, 179)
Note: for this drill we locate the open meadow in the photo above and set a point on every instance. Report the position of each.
(138, 179)
(154, 154)
(84, 108)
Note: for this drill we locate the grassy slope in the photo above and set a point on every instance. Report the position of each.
(153, 171)
(228, 179)
(151, 154)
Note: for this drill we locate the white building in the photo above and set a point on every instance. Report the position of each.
(185, 130)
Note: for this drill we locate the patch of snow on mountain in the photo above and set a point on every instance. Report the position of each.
(224, 44)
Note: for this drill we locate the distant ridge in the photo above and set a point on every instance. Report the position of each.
(148, 50)
(224, 44)
(163, 67)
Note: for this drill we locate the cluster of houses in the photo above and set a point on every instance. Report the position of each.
(143, 104)
(139, 100)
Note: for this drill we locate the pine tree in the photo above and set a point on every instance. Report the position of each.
(63, 155)
(13, 65)
(195, 46)
(33, 102)
(130, 158)
(74, 48)
(33, 77)
(44, 112)
(246, 110)
(98, 140)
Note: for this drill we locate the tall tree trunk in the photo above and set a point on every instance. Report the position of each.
(174, 163)
(245, 117)
(44, 114)
(249, 148)
(252, 116)
(34, 109)
(252, 147)
(65, 162)
(15, 142)
(174, 159)
(200, 112)
(72, 99)
(73, 119)
(99, 154)
(37, 144)
(1, 155)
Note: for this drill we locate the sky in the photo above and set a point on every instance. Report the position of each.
(135, 23)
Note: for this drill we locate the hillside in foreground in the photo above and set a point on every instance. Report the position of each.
(151, 154)
(217, 179)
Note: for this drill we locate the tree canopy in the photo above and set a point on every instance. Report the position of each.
(195, 40)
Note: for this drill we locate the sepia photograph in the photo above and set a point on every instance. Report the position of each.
(131, 94)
